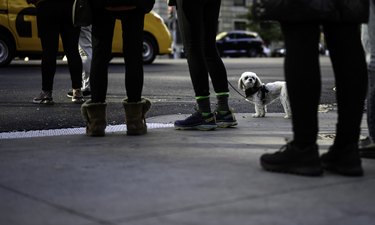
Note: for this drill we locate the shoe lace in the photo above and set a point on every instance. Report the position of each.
(284, 147)
(77, 93)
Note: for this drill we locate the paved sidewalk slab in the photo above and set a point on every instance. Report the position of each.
(170, 177)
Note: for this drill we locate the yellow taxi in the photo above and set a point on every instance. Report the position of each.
(19, 34)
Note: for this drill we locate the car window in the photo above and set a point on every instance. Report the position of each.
(241, 36)
(231, 36)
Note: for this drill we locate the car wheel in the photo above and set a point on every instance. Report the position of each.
(252, 52)
(149, 49)
(7, 50)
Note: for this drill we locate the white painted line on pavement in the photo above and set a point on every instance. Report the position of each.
(72, 131)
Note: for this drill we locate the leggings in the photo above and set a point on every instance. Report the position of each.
(54, 18)
(302, 74)
(198, 23)
(132, 35)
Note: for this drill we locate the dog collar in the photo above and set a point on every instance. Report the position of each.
(250, 91)
(263, 91)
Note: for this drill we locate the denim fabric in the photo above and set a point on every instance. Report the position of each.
(371, 73)
(85, 50)
(368, 41)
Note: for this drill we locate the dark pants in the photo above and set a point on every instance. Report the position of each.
(302, 73)
(102, 36)
(54, 18)
(198, 23)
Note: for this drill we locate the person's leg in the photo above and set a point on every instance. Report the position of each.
(48, 31)
(191, 19)
(132, 34)
(371, 75)
(102, 35)
(215, 66)
(302, 74)
(49, 35)
(94, 110)
(214, 63)
(69, 37)
(135, 106)
(85, 45)
(349, 65)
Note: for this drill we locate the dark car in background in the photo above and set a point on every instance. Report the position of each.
(280, 52)
(239, 43)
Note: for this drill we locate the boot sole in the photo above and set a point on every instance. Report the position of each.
(136, 132)
(305, 171)
(345, 171)
(198, 127)
(226, 124)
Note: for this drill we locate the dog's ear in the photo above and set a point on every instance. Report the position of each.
(241, 85)
(258, 83)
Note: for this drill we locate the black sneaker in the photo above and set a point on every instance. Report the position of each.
(45, 97)
(225, 119)
(77, 96)
(367, 152)
(344, 161)
(290, 159)
(85, 93)
(367, 148)
(196, 122)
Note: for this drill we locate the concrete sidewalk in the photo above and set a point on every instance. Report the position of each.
(170, 177)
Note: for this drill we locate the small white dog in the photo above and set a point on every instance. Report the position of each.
(263, 94)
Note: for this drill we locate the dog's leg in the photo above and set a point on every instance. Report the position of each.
(259, 111)
(284, 99)
(263, 111)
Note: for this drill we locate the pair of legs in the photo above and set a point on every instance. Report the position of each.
(102, 36)
(302, 74)
(198, 26)
(198, 23)
(54, 20)
(94, 110)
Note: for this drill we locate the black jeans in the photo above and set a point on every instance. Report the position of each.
(302, 73)
(102, 36)
(198, 24)
(54, 18)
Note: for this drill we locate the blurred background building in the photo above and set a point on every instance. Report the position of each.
(232, 17)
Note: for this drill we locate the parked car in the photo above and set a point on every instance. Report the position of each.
(280, 52)
(239, 43)
(19, 34)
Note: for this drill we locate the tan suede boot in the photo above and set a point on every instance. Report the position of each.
(96, 118)
(135, 116)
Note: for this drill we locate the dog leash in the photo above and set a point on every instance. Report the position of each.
(235, 89)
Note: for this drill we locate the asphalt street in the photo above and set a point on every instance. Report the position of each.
(167, 84)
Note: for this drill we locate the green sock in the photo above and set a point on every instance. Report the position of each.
(222, 101)
(204, 104)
